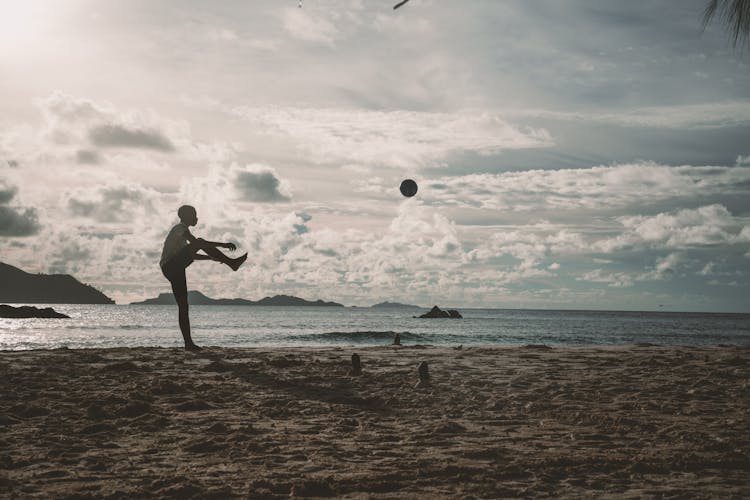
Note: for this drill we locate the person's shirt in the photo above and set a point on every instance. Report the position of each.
(176, 240)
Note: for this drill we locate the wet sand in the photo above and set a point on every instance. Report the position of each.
(635, 421)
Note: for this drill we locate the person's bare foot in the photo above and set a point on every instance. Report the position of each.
(236, 263)
(192, 347)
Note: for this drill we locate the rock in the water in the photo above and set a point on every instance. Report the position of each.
(436, 312)
(7, 311)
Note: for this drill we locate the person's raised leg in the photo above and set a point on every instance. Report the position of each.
(216, 254)
(184, 320)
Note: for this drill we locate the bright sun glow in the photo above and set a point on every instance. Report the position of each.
(21, 24)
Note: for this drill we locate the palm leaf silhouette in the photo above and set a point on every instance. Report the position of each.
(735, 14)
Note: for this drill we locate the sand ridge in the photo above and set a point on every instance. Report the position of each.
(493, 422)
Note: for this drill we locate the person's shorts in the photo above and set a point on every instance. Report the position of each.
(174, 271)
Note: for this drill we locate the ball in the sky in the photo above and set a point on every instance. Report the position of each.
(408, 188)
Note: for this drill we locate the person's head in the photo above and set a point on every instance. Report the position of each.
(187, 215)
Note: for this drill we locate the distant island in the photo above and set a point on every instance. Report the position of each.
(386, 305)
(20, 287)
(7, 311)
(198, 299)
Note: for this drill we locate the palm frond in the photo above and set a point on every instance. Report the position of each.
(735, 14)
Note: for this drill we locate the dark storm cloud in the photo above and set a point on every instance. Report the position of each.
(302, 228)
(73, 252)
(7, 193)
(22, 222)
(87, 157)
(16, 222)
(68, 256)
(84, 209)
(117, 136)
(110, 205)
(259, 186)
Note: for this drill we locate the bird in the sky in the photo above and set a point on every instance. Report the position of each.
(402, 2)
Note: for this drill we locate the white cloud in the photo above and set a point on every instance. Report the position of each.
(708, 269)
(74, 120)
(113, 203)
(87, 157)
(408, 26)
(529, 244)
(78, 132)
(219, 34)
(310, 25)
(260, 183)
(603, 187)
(704, 226)
(616, 280)
(224, 185)
(114, 136)
(401, 139)
(663, 269)
(691, 116)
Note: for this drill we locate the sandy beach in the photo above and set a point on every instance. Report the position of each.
(277, 423)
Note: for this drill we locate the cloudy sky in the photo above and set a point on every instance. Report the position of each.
(569, 153)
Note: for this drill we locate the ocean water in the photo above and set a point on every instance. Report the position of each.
(236, 326)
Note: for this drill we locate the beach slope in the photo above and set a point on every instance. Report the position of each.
(273, 423)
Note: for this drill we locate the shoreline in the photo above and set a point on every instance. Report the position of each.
(322, 347)
(493, 421)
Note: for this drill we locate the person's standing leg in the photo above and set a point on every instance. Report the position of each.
(174, 271)
(184, 320)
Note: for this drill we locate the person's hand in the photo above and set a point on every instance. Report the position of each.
(230, 246)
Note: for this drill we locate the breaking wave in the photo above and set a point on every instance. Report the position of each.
(357, 337)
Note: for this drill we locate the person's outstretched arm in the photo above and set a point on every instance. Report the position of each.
(217, 244)
(228, 246)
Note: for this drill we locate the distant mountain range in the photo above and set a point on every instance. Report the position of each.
(20, 287)
(386, 305)
(198, 299)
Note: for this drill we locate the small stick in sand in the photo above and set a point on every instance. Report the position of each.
(424, 374)
(356, 366)
(397, 339)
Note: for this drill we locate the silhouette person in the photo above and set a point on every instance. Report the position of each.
(180, 250)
